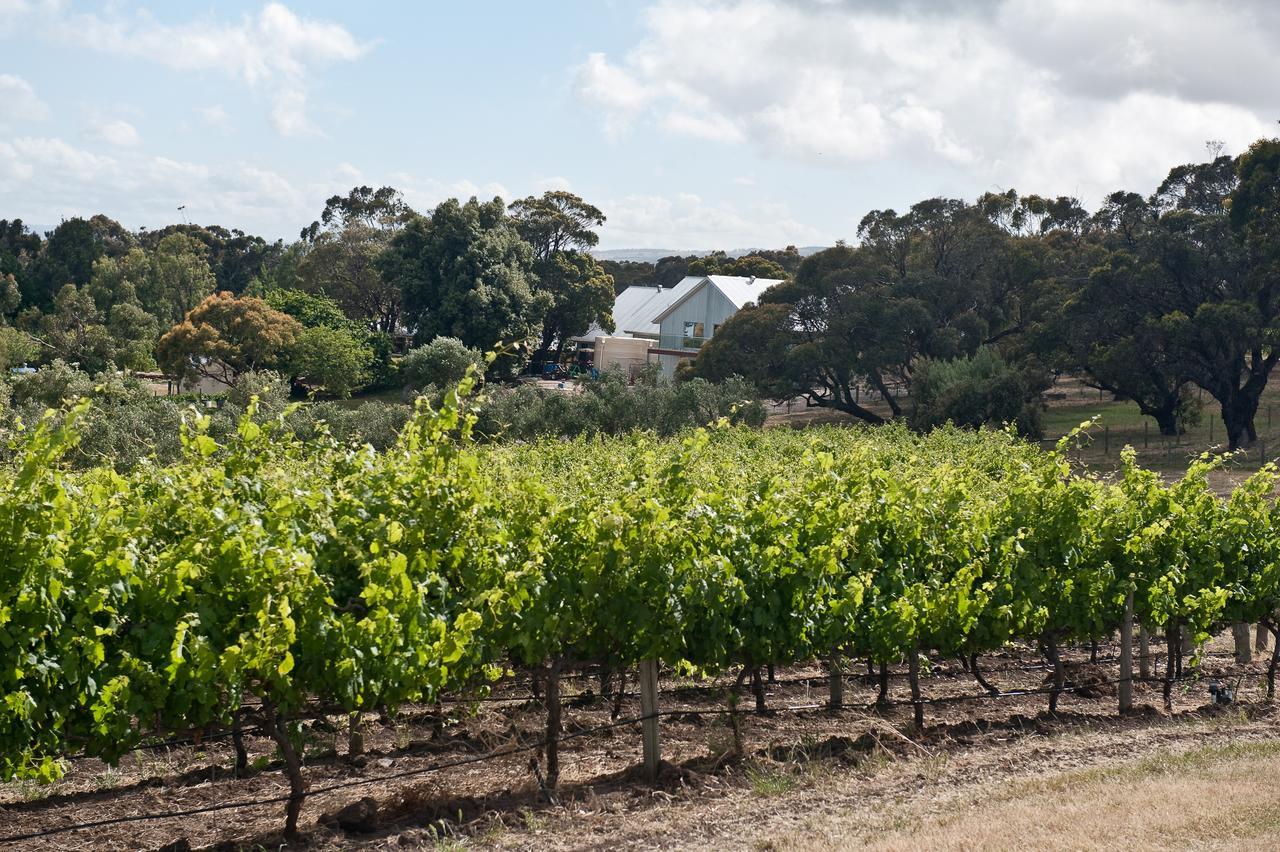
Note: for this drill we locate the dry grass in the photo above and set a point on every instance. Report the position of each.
(1219, 796)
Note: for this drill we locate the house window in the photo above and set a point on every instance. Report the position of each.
(715, 329)
(693, 329)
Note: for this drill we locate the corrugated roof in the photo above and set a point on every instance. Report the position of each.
(635, 307)
(736, 288)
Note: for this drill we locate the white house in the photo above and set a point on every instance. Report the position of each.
(674, 321)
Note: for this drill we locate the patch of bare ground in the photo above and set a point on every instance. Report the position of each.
(806, 779)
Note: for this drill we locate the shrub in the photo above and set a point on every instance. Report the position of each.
(442, 362)
(983, 390)
(332, 358)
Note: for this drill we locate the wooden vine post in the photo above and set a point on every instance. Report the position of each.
(552, 704)
(1126, 656)
(1244, 649)
(835, 683)
(1144, 652)
(649, 712)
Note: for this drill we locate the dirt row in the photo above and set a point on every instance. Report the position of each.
(397, 794)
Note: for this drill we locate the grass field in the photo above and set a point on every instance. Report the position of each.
(1120, 424)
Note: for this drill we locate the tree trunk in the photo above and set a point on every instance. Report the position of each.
(1275, 660)
(1167, 420)
(237, 740)
(1126, 656)
(437, 723)
(977, 675)
(279, 730)
(1180, 643)
(883, 696)
(355, 739)
(917, 708)
(552, 704)
(757, 687)
(617, 697)
(1237, 416)
(1144, 652)
(886, 394)
(1059, 675)
(1171, 643)
(773, 678)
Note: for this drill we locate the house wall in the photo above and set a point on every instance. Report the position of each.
(707, 306)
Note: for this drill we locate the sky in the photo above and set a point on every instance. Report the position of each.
(693, 124)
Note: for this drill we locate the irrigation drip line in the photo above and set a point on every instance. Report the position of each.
(569, 701)
(395, 776)
(540, 744)
(178, 741)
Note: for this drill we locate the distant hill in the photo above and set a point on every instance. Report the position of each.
(652, 255)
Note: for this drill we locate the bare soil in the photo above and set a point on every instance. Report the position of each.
(806, 778)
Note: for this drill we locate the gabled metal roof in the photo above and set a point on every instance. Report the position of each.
(736, 288)
(635, 307)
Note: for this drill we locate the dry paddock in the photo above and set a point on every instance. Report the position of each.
(986, 773)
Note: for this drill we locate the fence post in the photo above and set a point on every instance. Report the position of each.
(1144, 652)
(835, 682)
(1261, 638)
(1126, 656)
(1240, 632)
(649, 710)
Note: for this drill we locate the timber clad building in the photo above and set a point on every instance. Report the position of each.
(667, 325)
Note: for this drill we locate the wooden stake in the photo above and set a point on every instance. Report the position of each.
(835, 681)
(1144, 652)
(913, 668)
(1244, 654)
(649, 710)
(1126, 656)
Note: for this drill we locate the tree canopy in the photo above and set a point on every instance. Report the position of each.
(225, 336)
(465, 272)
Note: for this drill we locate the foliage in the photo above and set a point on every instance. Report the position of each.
(179, 278)
(443, 362)
(750, 265)
(225, 336)
(610, 406)
(331, 358)
(257, 573)
(556, 222)
(465, 272)
(972, 392)
(16, 349)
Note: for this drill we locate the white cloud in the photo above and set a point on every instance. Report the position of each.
(687, 222)
(215, 116)
(47, 179)
(424, 194)
(120, 133)
(1047, 95)
(555, 183)
(274, 51)
(21, 104)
